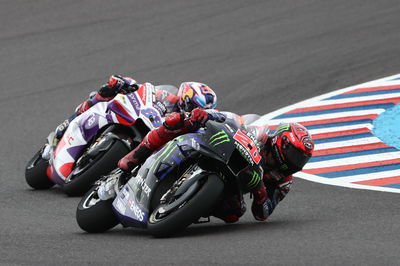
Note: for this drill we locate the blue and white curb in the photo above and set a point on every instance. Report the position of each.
(351, 140)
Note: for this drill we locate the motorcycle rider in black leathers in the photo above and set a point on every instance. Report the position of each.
(283, 153)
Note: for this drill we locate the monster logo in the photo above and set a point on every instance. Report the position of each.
(254, 180)
(219, 138)
(282, 128)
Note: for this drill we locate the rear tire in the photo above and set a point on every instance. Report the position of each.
(35, 172)
(106, 162)
(95, 218)
(198, 205)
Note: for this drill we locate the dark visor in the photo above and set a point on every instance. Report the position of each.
(189, 106)
(295, 158)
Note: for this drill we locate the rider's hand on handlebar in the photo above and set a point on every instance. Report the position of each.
(130, 88)
(107, 91)
(117, 84)
(112, 87)
(201, 116)
(130, 85)
(198, 116)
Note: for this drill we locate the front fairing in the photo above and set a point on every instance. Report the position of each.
(122, 109)
(127, 108)
(132, 203)
(77, 136)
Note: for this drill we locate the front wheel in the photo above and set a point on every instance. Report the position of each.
(94, 215)
(35, 172)
(94, 169)
(198, 205)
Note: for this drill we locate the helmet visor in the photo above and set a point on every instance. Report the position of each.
(295, 158)
(188, 106)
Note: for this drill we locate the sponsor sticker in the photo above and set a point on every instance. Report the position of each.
(136, 210)
(120, 206)
(142, 184)
(134, 102)
(219, 138)
(247, 146)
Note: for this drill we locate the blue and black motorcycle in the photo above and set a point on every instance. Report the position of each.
(179, 184)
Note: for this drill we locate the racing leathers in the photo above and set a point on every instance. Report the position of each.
(266, 193)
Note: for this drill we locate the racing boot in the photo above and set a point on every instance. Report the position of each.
(60, 130)
(49, 147)
(108, 184)
(260, 194)
(55, 138)
(127, 164)
(260, 207)
(135, 158)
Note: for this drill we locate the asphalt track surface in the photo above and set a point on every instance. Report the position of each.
(257, 55)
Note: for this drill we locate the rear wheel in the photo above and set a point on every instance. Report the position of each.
(35, 172)
(194, 206)
(89, 173)
(94, 215)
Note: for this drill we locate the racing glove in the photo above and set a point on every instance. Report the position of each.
(262, 211)
(198, 116)
(263, 207)
(117, 84)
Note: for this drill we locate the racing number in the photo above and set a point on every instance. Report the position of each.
(248, 144)
(153, 116)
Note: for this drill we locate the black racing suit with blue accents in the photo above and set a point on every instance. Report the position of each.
(267, 192)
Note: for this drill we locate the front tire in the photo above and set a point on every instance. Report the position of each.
(94, 215)
(106, 162)
(35, 172)
(198, 205)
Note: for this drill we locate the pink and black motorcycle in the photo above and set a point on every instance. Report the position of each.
(96, 140)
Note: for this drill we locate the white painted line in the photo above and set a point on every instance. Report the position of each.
(320, 117)
(334, 182)
(374, 83)
(353, 99)
(337, 129)
(369, 176)
(354, 160)
(346, 143)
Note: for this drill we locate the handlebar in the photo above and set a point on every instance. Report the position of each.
(216, 116)
(128, 89)
(212, 116)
